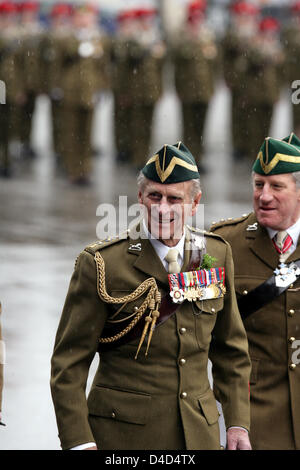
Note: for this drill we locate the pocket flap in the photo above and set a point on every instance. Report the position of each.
(211, 306)
(208, 406)
(120, 405)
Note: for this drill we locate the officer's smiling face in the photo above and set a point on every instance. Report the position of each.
(276, 200)
(167, 207)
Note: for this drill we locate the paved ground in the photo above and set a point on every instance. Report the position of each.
(44, 225)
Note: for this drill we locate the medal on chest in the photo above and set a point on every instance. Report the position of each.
(197, 285)
(286, 274)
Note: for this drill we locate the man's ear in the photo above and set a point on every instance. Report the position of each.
(196, 202)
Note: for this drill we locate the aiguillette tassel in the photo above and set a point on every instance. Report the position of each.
(155, 315)
(148, 319)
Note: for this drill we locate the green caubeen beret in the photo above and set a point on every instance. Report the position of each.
(278, 156)
(171, 164)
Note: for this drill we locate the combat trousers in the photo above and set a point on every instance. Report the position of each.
(194, 115)
(136, 122)
(26, 116)
(57, 126)
(122, 134)
(76, 141)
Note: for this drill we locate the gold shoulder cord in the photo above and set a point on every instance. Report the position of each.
(152, 302)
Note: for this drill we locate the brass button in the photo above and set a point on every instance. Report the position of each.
(292, 339)
(292, 366)
(291, 312)
(182, 330)
(182, 362)
(113, 415)
(213, 310)
(183, 395)
(245, 292)
(135, 308)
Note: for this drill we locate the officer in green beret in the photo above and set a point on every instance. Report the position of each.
(156, 303)
(266, 254)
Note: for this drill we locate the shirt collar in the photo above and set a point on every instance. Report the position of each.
(162, 249)
(293, 231)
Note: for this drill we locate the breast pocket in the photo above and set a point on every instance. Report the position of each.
(205, 312)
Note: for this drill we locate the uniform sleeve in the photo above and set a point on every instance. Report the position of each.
(230, 358)
(76, 343)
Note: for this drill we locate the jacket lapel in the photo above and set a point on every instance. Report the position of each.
(260, 243)
(148, 261)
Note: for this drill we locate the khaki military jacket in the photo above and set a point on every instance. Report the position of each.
(275, 382)
(195, 67)
(10, 67)
(84, 69)
(162, 400)
(137, 71)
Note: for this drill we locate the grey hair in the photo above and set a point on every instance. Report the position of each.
(142, 182)
(295, 174)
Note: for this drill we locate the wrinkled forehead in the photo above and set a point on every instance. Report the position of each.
(174, 189)
(286, 178)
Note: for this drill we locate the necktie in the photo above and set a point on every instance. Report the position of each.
(171, 258)
(282, 242)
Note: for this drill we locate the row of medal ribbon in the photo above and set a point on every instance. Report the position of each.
(197, 285)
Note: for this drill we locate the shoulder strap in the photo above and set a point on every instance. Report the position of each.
(262, 295)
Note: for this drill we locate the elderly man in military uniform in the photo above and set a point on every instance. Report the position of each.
(154, 331)
(266, 252)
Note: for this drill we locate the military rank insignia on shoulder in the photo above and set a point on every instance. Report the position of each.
(229, 221)
(100, 244)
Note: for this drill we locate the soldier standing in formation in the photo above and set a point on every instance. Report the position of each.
(266, 253)
(236, 44)
(30, 36)
(195, 58)
(10, 75)
(291, 44)
(138, 57)
(263, 82)
(51, 58)
(83, 64)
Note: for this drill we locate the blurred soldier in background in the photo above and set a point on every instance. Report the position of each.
(291, 44)
(84, 73)
(2, 362)
(195, 57)
(138, 54)
(30, 34)
(262, 83)
(242, 29)
(52, 50)
(10, 75)
(127, 32)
